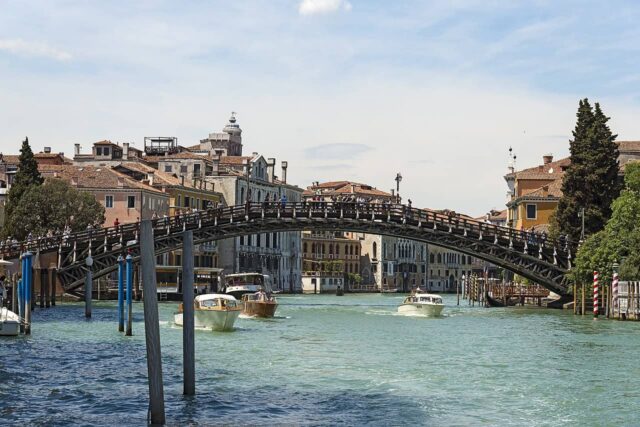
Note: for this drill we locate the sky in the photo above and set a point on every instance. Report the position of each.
(356, 90)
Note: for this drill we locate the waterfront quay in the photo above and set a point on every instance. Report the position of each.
(328, 360)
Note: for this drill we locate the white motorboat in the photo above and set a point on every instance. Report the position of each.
(246, 283)
(422, 303)
(217, 312)
(9, 322)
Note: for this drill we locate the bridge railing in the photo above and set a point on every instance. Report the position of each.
(401, 214)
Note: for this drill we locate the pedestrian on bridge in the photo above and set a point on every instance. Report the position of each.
(283, 200)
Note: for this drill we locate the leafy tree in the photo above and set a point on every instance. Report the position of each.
(618, 241)
(53, 206)
(591, 181)
(26, 177)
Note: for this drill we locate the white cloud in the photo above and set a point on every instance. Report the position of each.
(33, 49)
(317, 7)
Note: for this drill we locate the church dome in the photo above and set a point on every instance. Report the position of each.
(232, 128)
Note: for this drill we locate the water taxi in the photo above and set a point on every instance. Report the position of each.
(259, 304)
(422, 303)
(9, 323)
(217, 312)
(246, 283)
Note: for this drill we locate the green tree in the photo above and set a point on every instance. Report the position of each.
(26, 177)
(618, 241)
(53, 206)
(591, 181)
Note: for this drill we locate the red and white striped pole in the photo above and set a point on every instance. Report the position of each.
(595, 295)
(614, 287)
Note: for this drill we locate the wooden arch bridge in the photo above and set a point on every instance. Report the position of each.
(543, 261)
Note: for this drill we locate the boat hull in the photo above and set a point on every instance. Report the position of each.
(259, 308)
(431, 310)
(215, 320)
(9, 323)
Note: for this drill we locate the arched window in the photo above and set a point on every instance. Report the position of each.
(439, 258)
(350, 250)
(375, 250)
(330, 249)
(432, 258)
(337, 249)
(313, 248)
(259, 194)
(304, 247)
(242, 195)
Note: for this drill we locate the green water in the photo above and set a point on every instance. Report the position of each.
(330, 360)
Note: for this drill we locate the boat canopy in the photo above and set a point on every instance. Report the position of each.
(208, 297)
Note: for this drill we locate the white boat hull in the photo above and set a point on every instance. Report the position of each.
(211, 319)
(431, 310)
(9, 323)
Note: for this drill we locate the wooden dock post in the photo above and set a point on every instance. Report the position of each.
(120, 294)
(188, 344)
(575, 309)
(151, 323)
(28, 284)
(129, 294)
(45, 283)
(43, 278)
(54, 281)
(584, 297)
(88, 288)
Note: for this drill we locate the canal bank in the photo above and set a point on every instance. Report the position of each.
(329, 360)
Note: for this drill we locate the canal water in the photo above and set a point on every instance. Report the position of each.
(330, 360)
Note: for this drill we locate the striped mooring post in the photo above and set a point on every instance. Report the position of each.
(595, 295)
(614, 288)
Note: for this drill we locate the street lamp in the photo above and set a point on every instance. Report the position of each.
(398, 178)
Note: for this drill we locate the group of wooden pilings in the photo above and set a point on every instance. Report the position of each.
(151, 317)
(23, 298)
(620, 300)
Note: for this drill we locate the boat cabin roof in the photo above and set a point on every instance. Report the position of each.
(426, 295)
(246, 275)
(207, 297)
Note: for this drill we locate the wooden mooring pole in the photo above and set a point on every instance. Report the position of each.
(120, 294)
(151, 323)
(88, 288)
(188, 344)
(129, 294)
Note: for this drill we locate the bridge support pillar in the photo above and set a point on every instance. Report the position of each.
(54, 281)
(88, 288)
(120, 294)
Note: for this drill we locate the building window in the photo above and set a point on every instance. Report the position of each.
(98, 151)
(242, 240)
(168, 168)
(187, 200)
(196, 169)
(183, 169)
(131, 202)
(105, 151)
(108, 202)
(375, 250)
(532, 212)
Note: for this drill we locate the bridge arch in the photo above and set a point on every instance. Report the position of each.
(543, 261)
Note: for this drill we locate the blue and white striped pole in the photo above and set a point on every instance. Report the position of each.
(28, 283)
(120, 294)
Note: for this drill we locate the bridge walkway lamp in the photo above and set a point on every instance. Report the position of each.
(581, 215)
(398, 178)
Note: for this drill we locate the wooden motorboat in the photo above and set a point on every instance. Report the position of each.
(422, 303)
(217, 312)
(259, 304)
(339, 291)
(9, 323)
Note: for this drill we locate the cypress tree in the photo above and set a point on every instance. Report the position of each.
(591, 180)
(26, 177)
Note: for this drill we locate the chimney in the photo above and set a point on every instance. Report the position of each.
(215, 160)
(76, 149)
(545, 191)
(120, 182)
(393, 192)
(150, 176)
(271, 169)
(547, 158)
(285, 164)
(125, 151)
(353, 188)
(47, 150)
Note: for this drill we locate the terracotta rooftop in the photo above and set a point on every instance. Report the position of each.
(93, 177)
(12, 159)
(629, 146)
(345, 187)
(551, 190)
(234, 160)
(549, 171)
(177, 156)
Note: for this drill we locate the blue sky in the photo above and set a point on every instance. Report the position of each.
(437, 90)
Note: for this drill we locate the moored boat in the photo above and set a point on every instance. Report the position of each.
(217, 312)
(259, 304)
(9, 322)
(422, 303)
